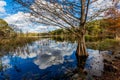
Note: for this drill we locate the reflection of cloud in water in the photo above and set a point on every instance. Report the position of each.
(25, 52)
(94, 63)
(46, 60)
(47, 52)
(53, 54)
(5, 62)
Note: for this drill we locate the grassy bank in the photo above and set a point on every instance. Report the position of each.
(12, 43)
(93, 42)
(105, 44)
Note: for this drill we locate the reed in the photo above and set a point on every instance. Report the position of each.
(12, 43)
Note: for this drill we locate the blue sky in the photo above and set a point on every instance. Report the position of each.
(9, 7)
(14, 14)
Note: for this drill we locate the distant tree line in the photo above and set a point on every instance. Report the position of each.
(5, 30)
(97, 29)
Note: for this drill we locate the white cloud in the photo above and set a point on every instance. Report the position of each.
(2, 4)
(99, 5)
(23, 21)
(20, 19)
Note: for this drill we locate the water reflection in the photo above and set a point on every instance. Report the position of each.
(36, 59)
(47, 52)
(94, 63)
(46, 59)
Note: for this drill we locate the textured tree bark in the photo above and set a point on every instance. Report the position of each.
(116, 36)
(81, 53)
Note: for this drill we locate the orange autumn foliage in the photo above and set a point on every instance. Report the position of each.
(112, 26)
(112, 23)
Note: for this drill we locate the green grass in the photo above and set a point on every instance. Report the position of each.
(13, 43)
(106, 44)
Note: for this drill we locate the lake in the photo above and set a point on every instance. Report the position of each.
(46, 59)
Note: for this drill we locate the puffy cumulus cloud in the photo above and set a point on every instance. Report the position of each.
(24, 21)
(2, 4)
(19, 19)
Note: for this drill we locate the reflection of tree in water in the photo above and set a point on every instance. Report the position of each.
(65, 38)
(50, 53)
(47, 53)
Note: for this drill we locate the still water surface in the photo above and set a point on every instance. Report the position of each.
(46, 59)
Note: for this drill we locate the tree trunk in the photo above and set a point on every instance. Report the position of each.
(116, 36)
(81, 53)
